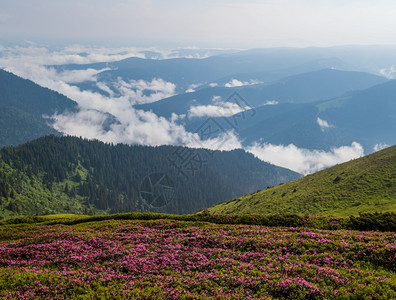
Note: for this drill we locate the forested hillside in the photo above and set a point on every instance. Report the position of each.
(23, 108)
(74, 175)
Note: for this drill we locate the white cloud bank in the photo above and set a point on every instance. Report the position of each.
(142, 91)
(226, 141)
(271, 102)
(135, 127)
(76, 54)
(131, 126)
(304, 161)
(127, 125)
(226, 109)
(219, 108)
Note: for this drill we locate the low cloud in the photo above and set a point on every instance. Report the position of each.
(44, 76)
(234, 83)
(138, 91)
(388, 72)
(323, 124)
(131, 126)
(304, 161)
(226, 141)
(379, 147)
(77, 76)
(135, 127)
(225, 109)
(124, 124)
(38, 55)
(111, 117)
(216, 99)
(237, 83)
(90, 124)
(105, 88)
(141, 91)
(271, 102)
(191, 88)
(33, 53)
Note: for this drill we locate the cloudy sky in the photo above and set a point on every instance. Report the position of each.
(232, 23)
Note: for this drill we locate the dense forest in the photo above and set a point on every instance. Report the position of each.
(69, 174)
(22, 107)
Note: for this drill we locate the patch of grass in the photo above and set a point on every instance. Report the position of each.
(366, 221)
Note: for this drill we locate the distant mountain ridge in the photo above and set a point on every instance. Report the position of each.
(302, 88)
(367, 184)
(266, 65)
(365, 116)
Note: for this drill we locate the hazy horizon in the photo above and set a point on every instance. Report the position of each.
(205, 24)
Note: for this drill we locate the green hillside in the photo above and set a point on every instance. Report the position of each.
(367, 184)
(53, 175)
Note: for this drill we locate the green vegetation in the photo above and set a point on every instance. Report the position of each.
(54, 175)
(17, 126)
(366, 221)
(367, 184)
(155, 256)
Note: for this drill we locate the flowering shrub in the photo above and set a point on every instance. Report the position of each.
(145, 259)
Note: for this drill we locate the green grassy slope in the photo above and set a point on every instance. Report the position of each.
(367, 184)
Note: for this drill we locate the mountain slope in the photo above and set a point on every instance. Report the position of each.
(367, 115)
(17, 126)
(366, 184)
(320, 85)
(23, 105)
(72, 175)
(278, 74)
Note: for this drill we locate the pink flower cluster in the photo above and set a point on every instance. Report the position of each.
(175, 260)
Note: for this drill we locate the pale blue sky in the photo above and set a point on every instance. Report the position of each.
(236, 23)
